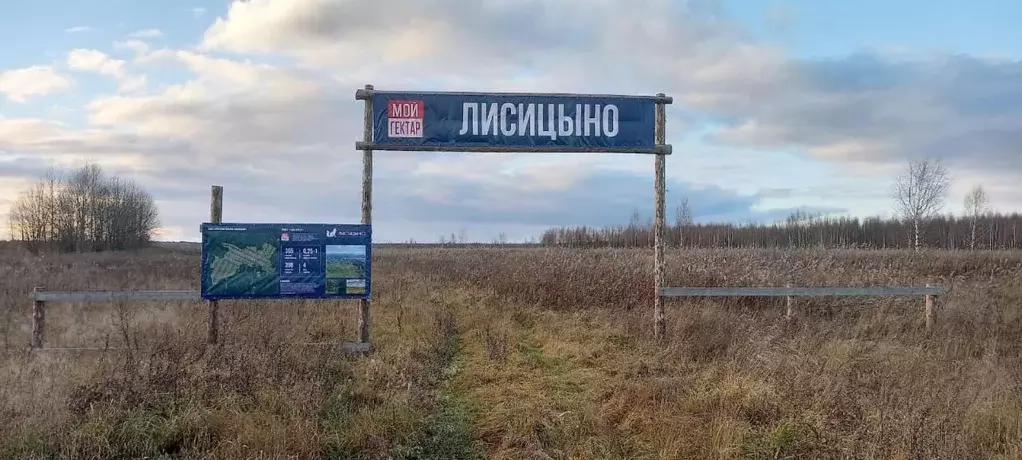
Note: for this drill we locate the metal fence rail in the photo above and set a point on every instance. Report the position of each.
(928, 292)
(40, 297)
(801, 291)
(345, 347)
(71, 296)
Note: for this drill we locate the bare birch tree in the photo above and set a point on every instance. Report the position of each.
(682, 218)
(976, 206)
(919, 193)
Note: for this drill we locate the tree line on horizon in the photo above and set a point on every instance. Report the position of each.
(992, 231)
(919, 194)
(87, 210)
(84, 210)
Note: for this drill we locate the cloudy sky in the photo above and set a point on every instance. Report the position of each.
(778, 105)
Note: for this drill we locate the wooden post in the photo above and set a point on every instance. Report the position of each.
(790, 313)
(216, 208)
(367, 205)
(659, 323)
(38, 318)
(929, 310)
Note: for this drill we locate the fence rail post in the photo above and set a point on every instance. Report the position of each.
(790, 300)
(928, 312)
(38, 319)
(216, 212)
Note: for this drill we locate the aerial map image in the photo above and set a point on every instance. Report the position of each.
(242, 262)
(345, 261)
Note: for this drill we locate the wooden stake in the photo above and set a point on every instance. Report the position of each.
(790, 313)
(38, 319)
(929, 310)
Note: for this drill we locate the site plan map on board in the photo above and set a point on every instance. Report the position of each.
(242, 262)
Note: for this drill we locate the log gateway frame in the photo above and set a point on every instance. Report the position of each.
(659, 149)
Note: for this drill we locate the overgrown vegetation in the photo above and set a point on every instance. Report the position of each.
(526, 353)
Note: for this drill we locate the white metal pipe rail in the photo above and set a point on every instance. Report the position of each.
(86, 296)
(928, 292)
(801, 291)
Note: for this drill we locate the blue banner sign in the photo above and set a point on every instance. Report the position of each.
(312, 261)
(513, 122)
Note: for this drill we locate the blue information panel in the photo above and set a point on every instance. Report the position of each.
(451, 121)
(316, 261)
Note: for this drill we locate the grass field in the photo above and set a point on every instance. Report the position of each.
(524, 353)
(341, 268)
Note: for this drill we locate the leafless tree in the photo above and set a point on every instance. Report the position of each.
(84, 211)
(919, 193)
(682, 219)
(976, 206)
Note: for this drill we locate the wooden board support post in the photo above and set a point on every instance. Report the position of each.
(216, 213)
(659, 322)
(367, 204)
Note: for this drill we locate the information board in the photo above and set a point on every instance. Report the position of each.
(509, 121)
(258, 260)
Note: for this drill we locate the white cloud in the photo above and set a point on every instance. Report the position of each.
(132, 83)
(228, 101)
(198, 11)
(77, 29)
(51, 139)
(146, 33)
(482, 38)
(19, 85)
(95, 61)
(140, 48)
(101, 63)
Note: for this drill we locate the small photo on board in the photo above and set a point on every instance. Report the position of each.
(356, 286)
(345, 261)
(334, 286)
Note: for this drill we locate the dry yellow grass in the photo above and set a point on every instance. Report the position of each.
(525, 353)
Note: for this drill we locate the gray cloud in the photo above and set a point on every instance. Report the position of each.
(19, 168)
(600, 198)
(965, 110)
(606, 45)
(866, 106)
